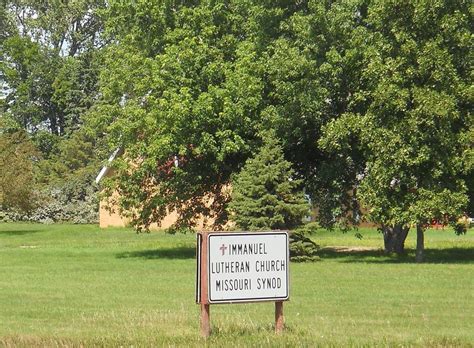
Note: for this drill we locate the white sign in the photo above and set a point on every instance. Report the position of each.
(247, 267)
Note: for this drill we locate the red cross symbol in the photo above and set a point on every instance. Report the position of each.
(223, 248)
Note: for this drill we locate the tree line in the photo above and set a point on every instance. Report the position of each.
(49, 72)
(369, 100)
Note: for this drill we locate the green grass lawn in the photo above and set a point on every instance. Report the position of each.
(79, 285)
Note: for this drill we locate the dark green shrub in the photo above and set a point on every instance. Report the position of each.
(308, 228)
(266, 195)
(303, 249)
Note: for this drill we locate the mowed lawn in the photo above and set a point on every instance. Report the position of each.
(71, 285)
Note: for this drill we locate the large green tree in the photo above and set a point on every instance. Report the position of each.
(313, 70)
(184, 83)
(187, 89)
(413, 115)
(49, 63)
(49, 68)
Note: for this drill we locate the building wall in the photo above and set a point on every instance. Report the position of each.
(108, 219)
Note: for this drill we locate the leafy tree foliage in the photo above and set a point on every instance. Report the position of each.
(17, 181)
(56, 189)
(411, 115)
(369, 98)
(185, 81)
(265, 194)
(313, 72)
(49, 63)
(50, 60)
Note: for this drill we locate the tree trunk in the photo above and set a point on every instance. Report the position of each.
(401, 236)
(53, 125)
(394, 238)
(420, 243)
(388, 239)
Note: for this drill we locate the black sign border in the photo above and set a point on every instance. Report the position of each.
(256, 299)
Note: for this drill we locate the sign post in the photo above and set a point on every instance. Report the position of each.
(201, 285)
(242, 267)
(279, 323)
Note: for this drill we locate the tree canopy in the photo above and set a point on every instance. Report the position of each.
(412, 113)
(370, 99)
(189, 86)
(49, 68)
(48, 64)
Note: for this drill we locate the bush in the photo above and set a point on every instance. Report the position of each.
(75, 201)
(308, 228)
(9, 215)
(17, 182)
(265, 195)
(303, 249)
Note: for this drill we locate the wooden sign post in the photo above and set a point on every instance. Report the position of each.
(242, 267)
(201, 284)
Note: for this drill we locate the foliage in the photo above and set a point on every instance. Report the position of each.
(74, 201)
(49, 63)
(200, 82)
(460, 226)
(409, 113)
(183, 81)
(75, 156)
(371, 100)
(67, 177)
(265, 194)
(17, 180)
(49, 66)
(313, 71)
(303, 249)
(56, 189)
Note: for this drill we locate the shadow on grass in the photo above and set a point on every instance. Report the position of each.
(19, 232)
(449, 255)
(171, 253)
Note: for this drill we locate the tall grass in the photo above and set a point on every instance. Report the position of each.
(70, 285)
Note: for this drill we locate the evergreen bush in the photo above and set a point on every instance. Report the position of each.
(266, 194)
(303, 249)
